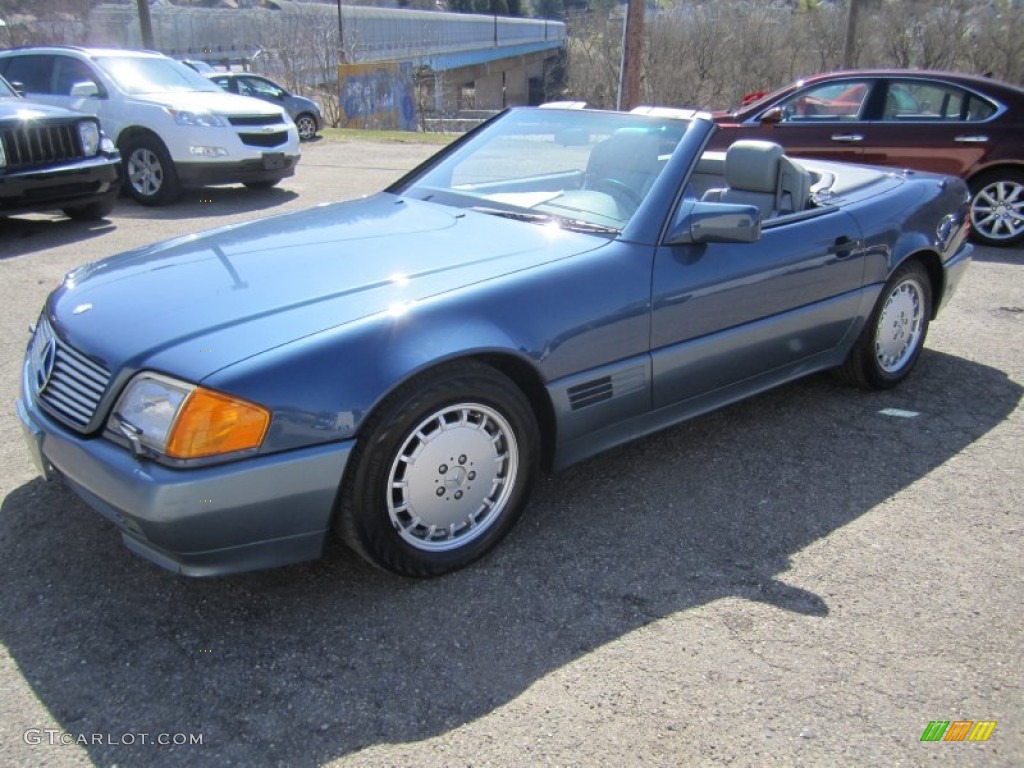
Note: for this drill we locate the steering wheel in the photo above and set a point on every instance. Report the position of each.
(622, 192)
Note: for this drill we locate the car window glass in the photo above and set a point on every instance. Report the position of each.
(31, 73)
(978, 109)
(136, 74)
(591, 167)
(69, 71)
(909, 100)
(830, 101)
(254, 86)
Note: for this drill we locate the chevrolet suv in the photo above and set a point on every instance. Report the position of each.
(54, 159)
(175, 128)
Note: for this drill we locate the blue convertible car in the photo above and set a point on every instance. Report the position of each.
(397, 369)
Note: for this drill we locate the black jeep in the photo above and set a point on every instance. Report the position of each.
(54, 159)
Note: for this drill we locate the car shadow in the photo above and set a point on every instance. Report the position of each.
(21, 235)
(210, 201)
(305, 664)
(992, 255)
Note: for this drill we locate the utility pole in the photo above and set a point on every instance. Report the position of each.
(341, 36)
(632, 55)
(145, 25)
(851, 34)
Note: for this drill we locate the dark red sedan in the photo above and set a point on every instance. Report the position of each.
(969, 126)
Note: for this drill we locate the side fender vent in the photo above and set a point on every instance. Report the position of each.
(590, 392)
(605, 388)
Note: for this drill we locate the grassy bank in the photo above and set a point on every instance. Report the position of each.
(400, 137)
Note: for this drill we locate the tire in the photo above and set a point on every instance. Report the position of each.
(268, 184)
(149, 174)
(306, 124)
(91, 212)
(997, 207)
(442, 472)
(894, 335)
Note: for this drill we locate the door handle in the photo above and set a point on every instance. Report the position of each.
(978, 139)
(847, 137)
(844, 246)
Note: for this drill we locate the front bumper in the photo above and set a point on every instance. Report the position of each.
(271, 166)
(256, 513)
(72, 184)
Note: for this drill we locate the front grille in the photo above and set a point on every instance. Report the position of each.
(67, 383)
(250, 120)
(30, 144)
(264, 139)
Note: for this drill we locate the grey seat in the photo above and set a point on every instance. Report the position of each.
(758, 173)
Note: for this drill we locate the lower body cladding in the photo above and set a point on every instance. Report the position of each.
(261, 512)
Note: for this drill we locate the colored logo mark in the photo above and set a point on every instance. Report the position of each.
(958, 730)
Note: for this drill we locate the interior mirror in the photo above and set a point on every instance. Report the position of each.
(85, 89)
(716, 223)
(773, 116)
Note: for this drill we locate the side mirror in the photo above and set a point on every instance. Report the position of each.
(716, 223)
(773, 116)
(85, 89)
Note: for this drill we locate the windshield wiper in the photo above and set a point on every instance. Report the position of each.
(565, 222)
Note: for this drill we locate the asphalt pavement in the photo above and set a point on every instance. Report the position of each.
(810, 577)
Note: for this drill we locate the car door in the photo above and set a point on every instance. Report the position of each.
(724, 313)
(929, 125)
(824, 120)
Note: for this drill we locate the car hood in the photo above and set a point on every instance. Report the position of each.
(24, 109)
(194, 305)
(218, 101)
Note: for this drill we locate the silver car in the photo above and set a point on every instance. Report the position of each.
(305, 112)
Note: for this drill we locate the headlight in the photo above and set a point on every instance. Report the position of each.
(3, 156)
(197, 118)
(89, 133)
(184, 421)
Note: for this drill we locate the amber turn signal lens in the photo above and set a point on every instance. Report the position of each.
(210, 423)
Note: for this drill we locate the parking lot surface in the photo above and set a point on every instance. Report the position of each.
(808, 578)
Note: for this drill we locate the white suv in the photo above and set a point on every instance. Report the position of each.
(175, 128)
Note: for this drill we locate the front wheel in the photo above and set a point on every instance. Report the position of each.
(149, 173)
(892, 340)
(442, 472)
(997, 208)
(306, 125)
(95, 211)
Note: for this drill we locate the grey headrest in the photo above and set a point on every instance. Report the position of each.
(752, 165)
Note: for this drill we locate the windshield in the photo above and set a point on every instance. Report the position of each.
(6, 92)
(585, 169)
(138, 74)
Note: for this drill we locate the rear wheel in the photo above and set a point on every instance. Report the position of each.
(442, 473)
(149, 174)
(997, 207)
(892, 340)
(306, 124)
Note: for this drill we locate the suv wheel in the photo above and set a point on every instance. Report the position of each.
(149, 174)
